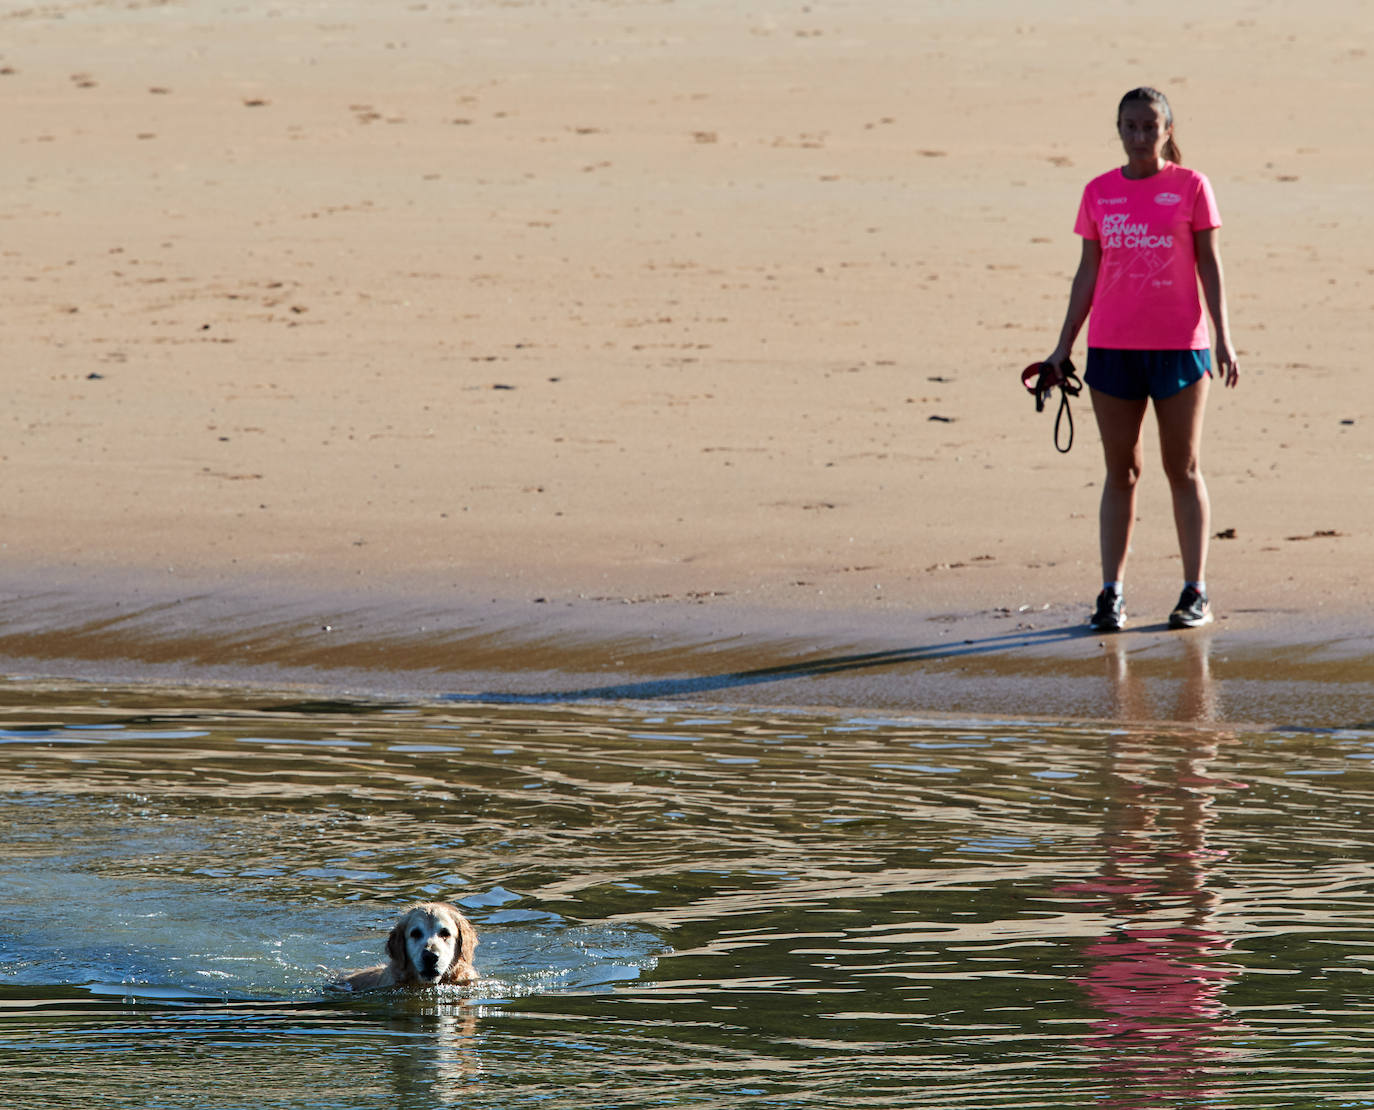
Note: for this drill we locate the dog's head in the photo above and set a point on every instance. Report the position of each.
(432, 943)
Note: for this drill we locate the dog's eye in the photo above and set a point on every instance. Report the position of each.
(445, 933)
(416, 934)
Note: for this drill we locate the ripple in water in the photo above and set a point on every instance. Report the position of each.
(677, 908)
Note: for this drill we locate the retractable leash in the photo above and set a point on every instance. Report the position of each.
(1046, 378)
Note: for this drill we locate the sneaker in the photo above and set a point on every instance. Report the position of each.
(1192, 610)
(1111, 612)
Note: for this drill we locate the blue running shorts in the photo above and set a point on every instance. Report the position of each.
(1136, 375)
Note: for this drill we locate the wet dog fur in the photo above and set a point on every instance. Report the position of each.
(430, 945)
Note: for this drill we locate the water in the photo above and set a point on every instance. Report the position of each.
(677, 908)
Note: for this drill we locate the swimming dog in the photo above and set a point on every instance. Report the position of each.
(430, 945)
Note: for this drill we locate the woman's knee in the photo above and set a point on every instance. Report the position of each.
(1124, 468)
(1183, 471)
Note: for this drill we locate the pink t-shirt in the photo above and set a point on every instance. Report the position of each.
(1147, 291)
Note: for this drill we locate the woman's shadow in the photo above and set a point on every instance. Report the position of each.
(1183, 666)
(813, 668)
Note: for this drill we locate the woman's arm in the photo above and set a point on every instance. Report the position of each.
(1080, 299)
(1209, 272)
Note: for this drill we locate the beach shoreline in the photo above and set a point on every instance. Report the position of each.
(1043, 663)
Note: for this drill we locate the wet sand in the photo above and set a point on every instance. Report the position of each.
(1041, 663)
(602, 345)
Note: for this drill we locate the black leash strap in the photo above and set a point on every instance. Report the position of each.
(1066, 390)
(1069, 386)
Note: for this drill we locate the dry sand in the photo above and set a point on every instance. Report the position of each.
(518, 345)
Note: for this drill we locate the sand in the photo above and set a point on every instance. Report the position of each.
(666, 340)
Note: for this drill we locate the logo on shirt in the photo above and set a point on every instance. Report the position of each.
(1121, 231)
(1112, 200)
(1167, 198)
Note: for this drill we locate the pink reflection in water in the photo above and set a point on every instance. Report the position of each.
(1159, 975)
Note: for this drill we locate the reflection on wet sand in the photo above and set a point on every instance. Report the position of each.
(1130, 693)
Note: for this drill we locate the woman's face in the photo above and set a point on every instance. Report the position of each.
(1143, 131)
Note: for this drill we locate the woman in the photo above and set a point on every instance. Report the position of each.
(1149, 233)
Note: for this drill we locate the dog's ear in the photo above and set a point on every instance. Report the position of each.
(396, 942)
(467, 935)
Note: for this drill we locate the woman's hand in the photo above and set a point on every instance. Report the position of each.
(1056, 364)
(1227, 366)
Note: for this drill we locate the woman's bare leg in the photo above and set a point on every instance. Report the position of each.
(1180, 444)
(1119, 422)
